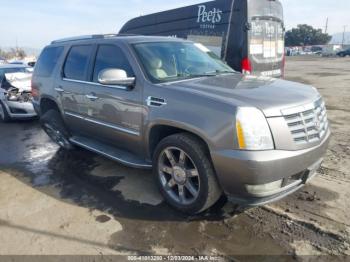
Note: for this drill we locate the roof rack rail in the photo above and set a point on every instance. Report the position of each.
(122, 34)
(83, 37)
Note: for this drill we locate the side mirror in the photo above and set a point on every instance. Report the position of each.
(113, 76)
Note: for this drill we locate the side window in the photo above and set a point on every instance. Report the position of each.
(77, 62)
(2, 74)
(111, 56)
(48, 60)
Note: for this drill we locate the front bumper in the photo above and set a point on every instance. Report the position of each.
(237, 169)
(20, 110)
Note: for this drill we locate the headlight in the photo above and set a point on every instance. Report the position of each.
(253, 132)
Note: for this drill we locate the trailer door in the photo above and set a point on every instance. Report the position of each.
(266, 37)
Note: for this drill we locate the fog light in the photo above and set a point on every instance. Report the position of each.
(265, 189)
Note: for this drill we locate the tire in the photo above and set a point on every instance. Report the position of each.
(4, 116)
(52, 123)
(196, 187)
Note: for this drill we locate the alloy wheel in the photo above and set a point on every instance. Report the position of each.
(56, 135)
(179, 175)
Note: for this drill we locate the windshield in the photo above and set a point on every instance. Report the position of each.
(265, 8)
(172, 61)
(266, 37)
(11, 70)
(17, 70)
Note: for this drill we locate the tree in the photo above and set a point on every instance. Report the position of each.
(18, 53)
(306, 35)
(21, 54)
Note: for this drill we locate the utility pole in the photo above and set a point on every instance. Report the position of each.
(326, 28)
(343, 41)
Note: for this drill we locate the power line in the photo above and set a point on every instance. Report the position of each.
(343, 41)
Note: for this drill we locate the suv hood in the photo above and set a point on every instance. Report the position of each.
(268, 94)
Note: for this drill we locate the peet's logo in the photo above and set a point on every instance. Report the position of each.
(212, 16)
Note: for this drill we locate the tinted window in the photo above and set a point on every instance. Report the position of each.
(16, 70)
(47, 61)
(265, 8)
(111, 56)
(2, 74)
(77, 62)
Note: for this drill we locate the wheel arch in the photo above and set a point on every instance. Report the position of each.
(158, 131)
(47, 103)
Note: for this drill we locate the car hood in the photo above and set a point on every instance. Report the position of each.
(21, 81)
(268, 94)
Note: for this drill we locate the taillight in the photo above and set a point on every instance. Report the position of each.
(35, 90)
(246, 66)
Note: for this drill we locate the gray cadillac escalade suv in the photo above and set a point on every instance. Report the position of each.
(173, 105)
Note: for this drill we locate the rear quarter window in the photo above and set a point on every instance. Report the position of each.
(48, 61)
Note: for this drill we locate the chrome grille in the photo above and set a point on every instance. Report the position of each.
(308, 123)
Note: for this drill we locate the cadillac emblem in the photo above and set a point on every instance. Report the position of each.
(317, 124)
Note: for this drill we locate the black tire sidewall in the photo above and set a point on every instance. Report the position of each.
(54, 119)
(6, 117)
(198, 205)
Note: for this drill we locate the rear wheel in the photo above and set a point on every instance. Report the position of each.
(4, 116)
(53, 125)
(185, 174)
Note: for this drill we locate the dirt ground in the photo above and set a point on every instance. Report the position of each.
(78, 203)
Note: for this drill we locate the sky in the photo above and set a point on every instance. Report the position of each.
(35, 23)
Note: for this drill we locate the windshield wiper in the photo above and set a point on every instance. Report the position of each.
(225, 72)
(214, 73)
(207, 74)
(202, 75)
(196, 75)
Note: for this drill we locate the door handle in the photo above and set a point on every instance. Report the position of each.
(59, 90)
(92, 97)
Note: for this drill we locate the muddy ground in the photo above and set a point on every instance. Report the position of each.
(57, 203)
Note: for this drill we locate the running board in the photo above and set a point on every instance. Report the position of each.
(112, 153)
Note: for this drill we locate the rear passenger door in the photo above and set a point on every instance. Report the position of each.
(72, 87)
(114, 112)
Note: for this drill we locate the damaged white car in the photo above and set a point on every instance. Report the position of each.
(15, 93)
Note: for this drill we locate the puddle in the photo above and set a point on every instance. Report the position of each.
(103, 219)
(231, 237)
(222, 230)
(42, 180)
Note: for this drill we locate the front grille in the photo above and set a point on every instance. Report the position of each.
(308, 123)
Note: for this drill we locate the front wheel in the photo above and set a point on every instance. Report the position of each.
(185, 175)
